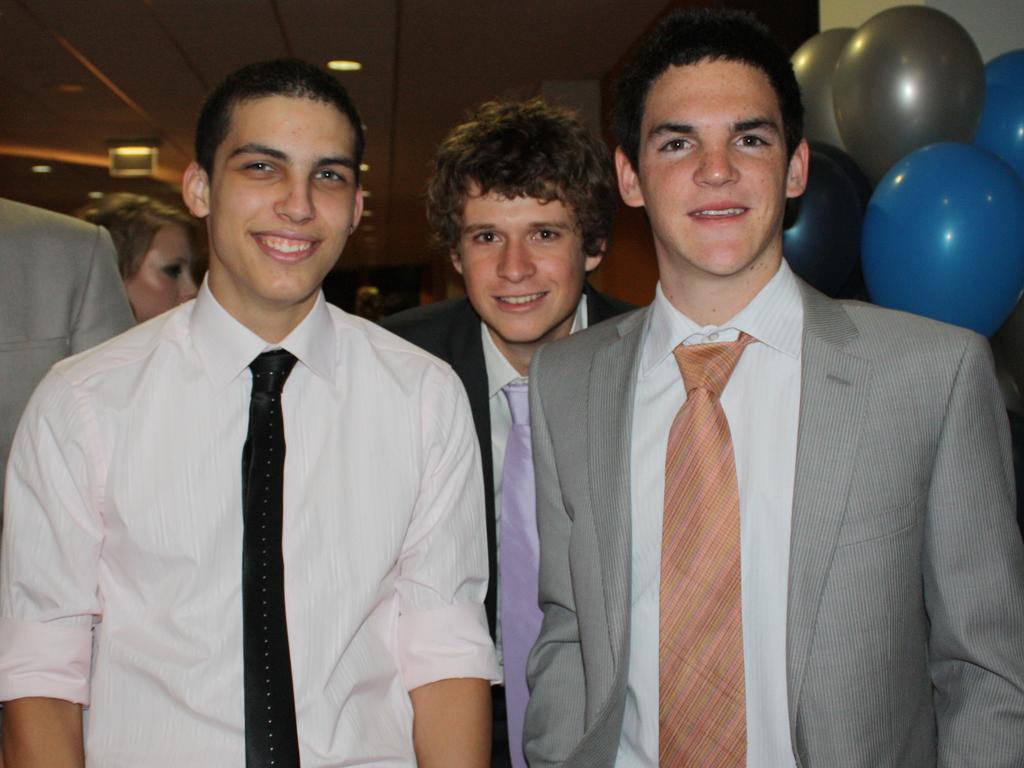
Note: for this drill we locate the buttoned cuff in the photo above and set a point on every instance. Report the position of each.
(444, 643)
(44, 659)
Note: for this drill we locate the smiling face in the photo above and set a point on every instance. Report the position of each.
(523, 263)
(282, 201)
(714, 178)
(164, 277)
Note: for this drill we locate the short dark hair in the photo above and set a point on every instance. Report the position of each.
(523, 149)
(693, 35)
(133, 221)
(279, 77)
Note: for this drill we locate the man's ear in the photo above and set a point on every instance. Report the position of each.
(456, 260)
(629, 181)
(195, 190)
(357, 209)
(796, 174)
(590, 263)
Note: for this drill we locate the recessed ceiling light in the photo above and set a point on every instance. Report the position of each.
(367, 214)
(95, 195)
(367, 193)
(344, 65)
(42, 169)
(364, 167)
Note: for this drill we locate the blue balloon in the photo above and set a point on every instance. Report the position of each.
(1001, 128)
(944, 237)
(1007, 69)
(849, 167)
(822, 243)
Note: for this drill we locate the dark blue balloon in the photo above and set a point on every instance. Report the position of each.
(1001, 128)
(944, 237)
(849, 166)
(822, 244)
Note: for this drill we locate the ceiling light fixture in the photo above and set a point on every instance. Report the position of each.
(42, 169)
(135, 157)
(364, 167)
(344, 65)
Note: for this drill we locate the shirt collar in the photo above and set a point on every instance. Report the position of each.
(499, 370)
(774, 317)
(226, 347)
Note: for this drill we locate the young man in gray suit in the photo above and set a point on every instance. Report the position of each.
(522, 198)
(59, 295)
(809, 562)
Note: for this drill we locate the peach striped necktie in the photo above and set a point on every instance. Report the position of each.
(702, 702)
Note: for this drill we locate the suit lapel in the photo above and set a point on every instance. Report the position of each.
(610, 422)
(597, 308)
(467, 360)
(834, 393)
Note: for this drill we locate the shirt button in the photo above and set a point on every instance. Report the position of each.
(713, 336)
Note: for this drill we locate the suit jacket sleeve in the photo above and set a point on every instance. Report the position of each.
(103, 309)
(555, 713)
(973, 573)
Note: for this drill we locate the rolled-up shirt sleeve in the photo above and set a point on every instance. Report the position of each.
(50, 550)
(442, 627)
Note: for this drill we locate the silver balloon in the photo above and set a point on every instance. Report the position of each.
(910, 76)
(814, 64)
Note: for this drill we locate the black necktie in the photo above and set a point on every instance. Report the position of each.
(271, 740)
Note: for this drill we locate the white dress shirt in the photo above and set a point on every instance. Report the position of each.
(500, 373)
(124, 519)
(761, 403)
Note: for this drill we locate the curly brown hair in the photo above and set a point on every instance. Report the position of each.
(523, 149)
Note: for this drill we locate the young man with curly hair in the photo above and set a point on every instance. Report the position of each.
(522, 199)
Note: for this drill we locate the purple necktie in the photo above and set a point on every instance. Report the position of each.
(520, 558)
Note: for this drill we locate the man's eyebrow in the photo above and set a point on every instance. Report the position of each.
(478, 227)
(752, 124)
(346, 162)
(277, 154)
(756, 123)
(662, 128)
(541, 224)
(259, 149)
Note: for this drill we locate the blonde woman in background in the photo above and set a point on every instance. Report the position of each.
(156, 250)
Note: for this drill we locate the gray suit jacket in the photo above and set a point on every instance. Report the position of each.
(905, 627)
(60, 293)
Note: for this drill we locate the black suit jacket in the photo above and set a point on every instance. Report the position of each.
(450, 330)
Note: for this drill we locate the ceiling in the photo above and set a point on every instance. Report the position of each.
(76, 74)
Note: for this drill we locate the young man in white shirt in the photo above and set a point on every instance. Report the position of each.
(820, 566)
(521, 198)
(126, 495)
